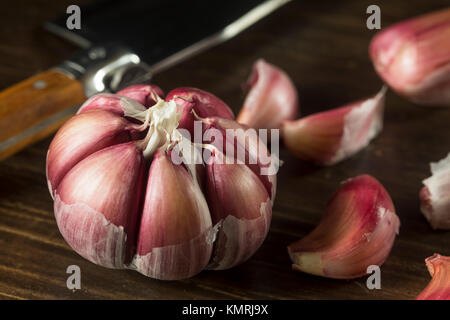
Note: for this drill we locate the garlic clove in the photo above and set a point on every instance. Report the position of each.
(328, 137)
(71, 143)
(203, 103)
(357, 230)
(145, 94)
(435, 195)
(245, 146)
(413, 57)
(439, 286)
(271, 100)
(95, 211)
(240, 207)
(129, 101)
(120, 105)
(176, 235)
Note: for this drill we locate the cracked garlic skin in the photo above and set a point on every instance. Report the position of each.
(328, 137)
(435, 195)
(240, 217)
(357, 230)
(439, 286)
(272, 98)
(121, 201)
(413, 57)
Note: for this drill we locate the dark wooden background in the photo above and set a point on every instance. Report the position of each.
(323, 46)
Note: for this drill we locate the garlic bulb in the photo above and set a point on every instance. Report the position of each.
(132, 188)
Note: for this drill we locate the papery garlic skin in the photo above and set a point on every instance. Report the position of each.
(328, 137)
(439, 286)
(357, 230)
(244, 221)
(122, 201)
(272, 98)
(435, 195)
(413, 57)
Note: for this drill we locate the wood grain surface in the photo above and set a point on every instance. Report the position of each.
(323, 46)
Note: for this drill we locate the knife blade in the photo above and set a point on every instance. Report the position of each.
(123, 42)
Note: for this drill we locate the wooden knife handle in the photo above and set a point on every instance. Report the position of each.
(34, 108)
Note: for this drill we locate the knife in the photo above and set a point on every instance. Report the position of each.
(123, 43)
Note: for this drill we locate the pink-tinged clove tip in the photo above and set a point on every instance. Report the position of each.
(203, 103)
(145, 94)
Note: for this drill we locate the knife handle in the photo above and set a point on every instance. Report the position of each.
(34, 108)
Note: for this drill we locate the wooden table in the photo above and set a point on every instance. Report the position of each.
(323, 46)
